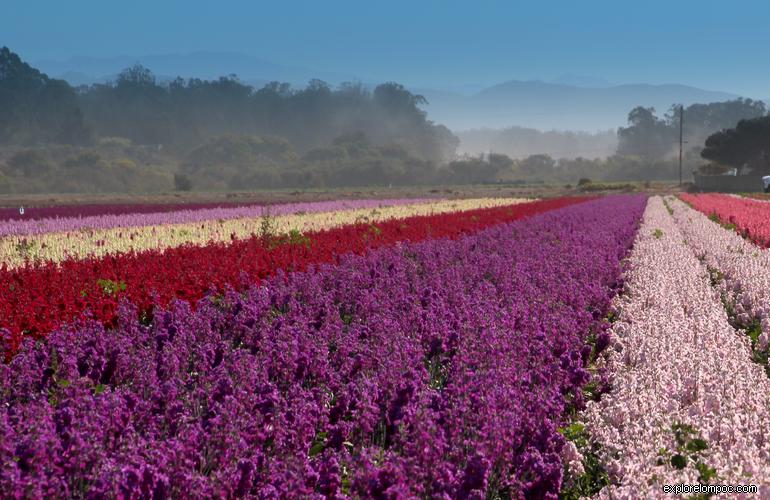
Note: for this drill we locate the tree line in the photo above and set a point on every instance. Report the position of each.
(730, 135)
(182, 114)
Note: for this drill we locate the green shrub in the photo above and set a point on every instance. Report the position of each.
(182, 182)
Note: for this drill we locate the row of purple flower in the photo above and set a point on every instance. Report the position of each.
(440, 368)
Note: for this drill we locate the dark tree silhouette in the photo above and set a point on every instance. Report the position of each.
(36, 109)
(646, 136)
(650, 137)
(183, 114)
(745, 147)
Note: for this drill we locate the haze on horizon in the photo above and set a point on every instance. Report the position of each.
(432, 43)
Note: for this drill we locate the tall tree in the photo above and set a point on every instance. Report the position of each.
(745, 147)
(650, 137)
(646, 136)
(35, 108)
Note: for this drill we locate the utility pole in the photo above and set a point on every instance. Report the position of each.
(681, 142)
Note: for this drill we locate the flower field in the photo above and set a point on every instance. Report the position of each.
(750, 217)
(114, 217)
(481, 348)
(59, 239)
(99, 236)
(35, 299)
(674, 351)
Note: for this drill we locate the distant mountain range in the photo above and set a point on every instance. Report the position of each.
(547, 106)
(570, 102)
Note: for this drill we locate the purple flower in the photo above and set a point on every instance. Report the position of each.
(438, 369)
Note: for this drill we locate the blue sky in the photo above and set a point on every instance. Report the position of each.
(714, 45)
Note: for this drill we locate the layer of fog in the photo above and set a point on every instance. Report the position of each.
(521, 142)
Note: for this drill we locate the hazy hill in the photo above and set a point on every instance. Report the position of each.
(548, 106)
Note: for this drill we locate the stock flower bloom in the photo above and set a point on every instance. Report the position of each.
(35, 299)
(677, 366)
(740, 269)
(134, 233)
(436, 368)
(749, 216)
